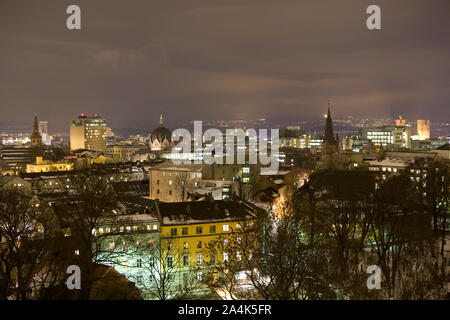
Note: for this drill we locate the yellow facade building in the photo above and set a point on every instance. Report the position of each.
(48, 166)
(190, 229)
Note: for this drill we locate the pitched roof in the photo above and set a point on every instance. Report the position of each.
(205, 211)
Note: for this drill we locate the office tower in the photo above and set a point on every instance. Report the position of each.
(36, 138)
(43, 129)
(423, 129)
(398, 136)
(88, 133)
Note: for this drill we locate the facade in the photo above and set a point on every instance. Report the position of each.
(17, 157)
(168, 181)
(385, 136)
(88, 133)
(190, 229)
(47, 166)
(423, 129)
(43, 130)
(123, 153)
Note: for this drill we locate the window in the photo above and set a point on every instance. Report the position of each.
(173, 231)
(170, 192)
(108, 230)
(148, 227)
(199, 244)
(100, 230)
(185, 261)
(186, 245)
(151, 243)
(238, 226)
(157, 191)
(199, 230)
(169, 261)
(225, 242)
(212, 229)
(139, 263)
(225, 228)
(199, 276)
(135, 228)
(157, 182)
(169, 246)
(77, 252)
(170, 182)
(125, 246)
(128, 228)
(184, 231)
(225, 256)
(246, 170)
(155, 227)
(238, 256)
(138, 244)
(245, 180)
(199, 258)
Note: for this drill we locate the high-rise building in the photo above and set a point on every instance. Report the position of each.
(88, 133)
(36, 138)
(423, 129)
(43, 129)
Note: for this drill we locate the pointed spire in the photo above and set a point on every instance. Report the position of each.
(36, 124)
(328, 136)
(161, 120)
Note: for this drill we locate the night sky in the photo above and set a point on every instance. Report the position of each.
(223, 59)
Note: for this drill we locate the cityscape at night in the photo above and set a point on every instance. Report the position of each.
(224, 150)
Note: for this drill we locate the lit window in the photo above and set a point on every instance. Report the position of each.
(225, 256)
(225, 228)
(246, 170)
(199, 258)
(186, 245)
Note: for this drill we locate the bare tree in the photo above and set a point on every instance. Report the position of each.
(183, 183)
(161, 274)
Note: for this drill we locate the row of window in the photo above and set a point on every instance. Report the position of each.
(199, 230)
(147, 227)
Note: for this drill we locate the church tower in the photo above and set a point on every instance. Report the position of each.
(330, 144)
(36, 138)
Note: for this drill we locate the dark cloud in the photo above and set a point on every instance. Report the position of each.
(223, 59)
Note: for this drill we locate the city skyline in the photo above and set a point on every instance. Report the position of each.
(280, 62)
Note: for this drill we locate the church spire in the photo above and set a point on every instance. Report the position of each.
(328, 136)
(36, 138)
(161, 120)
(36, 124)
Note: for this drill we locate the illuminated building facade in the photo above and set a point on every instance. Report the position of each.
(88, 133)
(423, 129)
